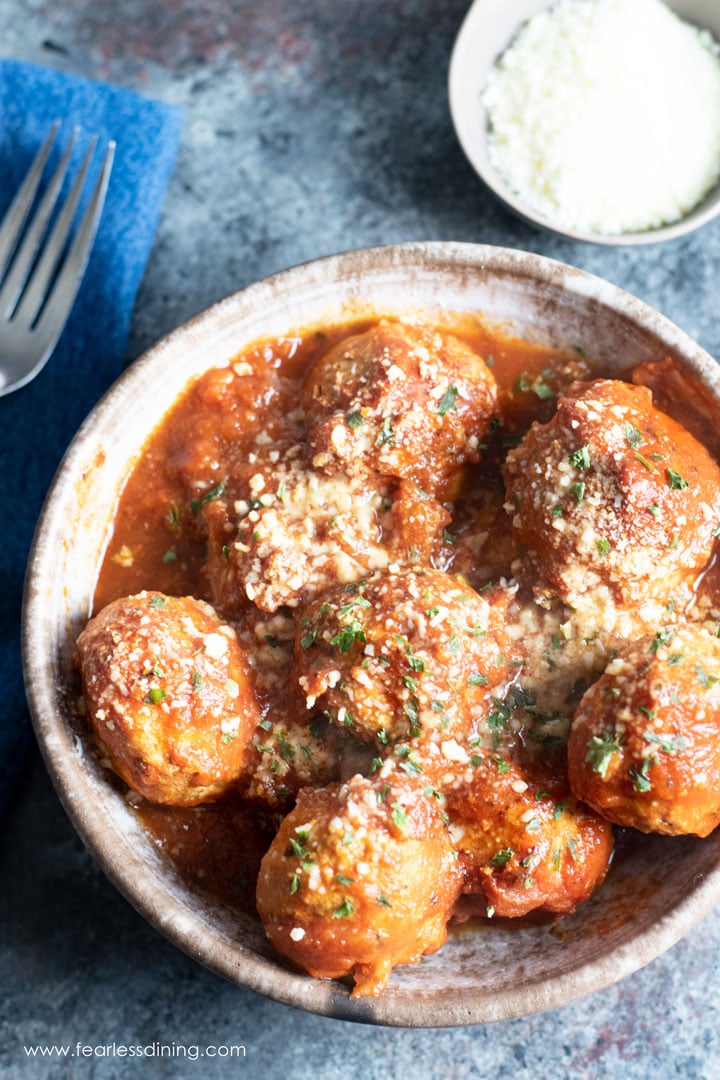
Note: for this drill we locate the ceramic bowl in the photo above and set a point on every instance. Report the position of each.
(645, 905)
(486, 32)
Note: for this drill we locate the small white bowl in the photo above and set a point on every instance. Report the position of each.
(646, 904)
(486, 32)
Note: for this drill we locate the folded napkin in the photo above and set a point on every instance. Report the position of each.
(37, 422)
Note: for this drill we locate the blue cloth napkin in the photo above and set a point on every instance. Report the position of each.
(37, 422)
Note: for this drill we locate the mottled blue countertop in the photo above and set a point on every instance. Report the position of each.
(311, 126)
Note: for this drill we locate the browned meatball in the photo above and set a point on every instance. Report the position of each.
(286, 756)
(403, 655)
(612, 492)
(295, 533)
(644, 748)
(361, 877)
(168, 695)
(401, 401)
(525, 841)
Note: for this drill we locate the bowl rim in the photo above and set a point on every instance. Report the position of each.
(55, 737)
(472, 145)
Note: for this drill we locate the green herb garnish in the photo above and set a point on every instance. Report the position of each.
(600, 751)
(448, 402)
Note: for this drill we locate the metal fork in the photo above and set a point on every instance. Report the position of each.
(40, 268)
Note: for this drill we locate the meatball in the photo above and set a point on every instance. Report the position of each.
(287, 756)
(525, 841)
(612, 492)
(297, 532)
(403, 655)
(644, 749)
(401, 401)
(361, 877)
(168, 696)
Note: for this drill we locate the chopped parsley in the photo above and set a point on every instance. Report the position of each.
(155, 696)
(639, 776)
(571, 845)
(556, 511)
(399, 816)
(285, 749)
(448, 402)
(383, 901)
(541, 389)
(197, 681)
(169, 556)
(386, 434)
(663, 637)
(676, 481)
(354, 420)
(309, 638)
(578, 491)
(708, 681)
(196, 505)
(668, 746)
(344, 911)
(346, 638)
(648, 464)
(633, 436)
(502, 857)
(654, 509)
(476, 679)
(600, 751)
(449, 537)
(497, 721)
(158, 602)
(344, 880)
(410, 709)
(299, 847)
(603, 546)
(581, 458)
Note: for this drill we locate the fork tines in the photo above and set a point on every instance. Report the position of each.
(40, 270)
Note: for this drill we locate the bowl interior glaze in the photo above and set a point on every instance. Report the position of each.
(487, 30)
(647, 903)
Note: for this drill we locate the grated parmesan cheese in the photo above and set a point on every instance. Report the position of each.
(605, 115)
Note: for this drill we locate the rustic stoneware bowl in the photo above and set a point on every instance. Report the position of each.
(646, 904)
(486, 32)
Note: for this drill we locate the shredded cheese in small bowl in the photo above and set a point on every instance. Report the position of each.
(599, 119)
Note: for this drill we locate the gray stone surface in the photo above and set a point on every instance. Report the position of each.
(311, 126)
